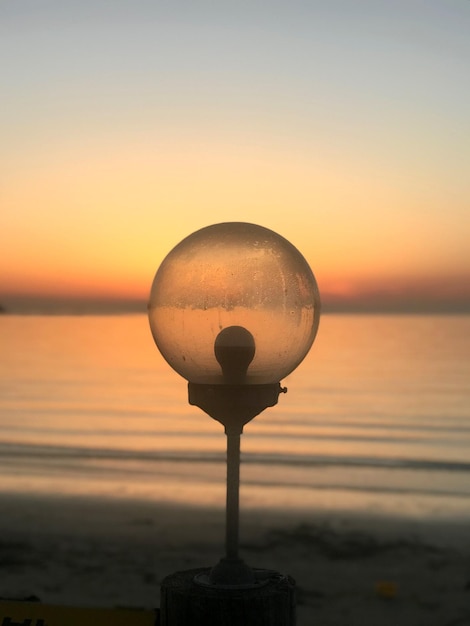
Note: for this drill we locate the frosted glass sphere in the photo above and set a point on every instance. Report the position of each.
(234, 303)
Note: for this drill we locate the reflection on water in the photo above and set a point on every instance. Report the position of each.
(376, 416)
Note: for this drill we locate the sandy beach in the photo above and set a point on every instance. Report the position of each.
(349, 572)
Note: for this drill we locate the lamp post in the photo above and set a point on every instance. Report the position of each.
(234, 308)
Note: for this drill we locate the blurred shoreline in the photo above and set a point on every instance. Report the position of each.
(80, 551)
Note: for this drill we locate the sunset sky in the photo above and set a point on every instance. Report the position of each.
(343, 125)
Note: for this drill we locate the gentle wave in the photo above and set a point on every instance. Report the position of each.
(45, 452)
(397, 435)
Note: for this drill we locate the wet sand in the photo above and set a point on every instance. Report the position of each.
(349, 571)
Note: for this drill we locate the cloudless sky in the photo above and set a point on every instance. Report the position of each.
(344, 125)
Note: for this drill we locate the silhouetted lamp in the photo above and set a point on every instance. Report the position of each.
(234, 308)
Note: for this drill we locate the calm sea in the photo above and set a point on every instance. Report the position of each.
(377, 418)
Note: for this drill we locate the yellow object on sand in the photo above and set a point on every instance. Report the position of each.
(37, 614)
(386, 588)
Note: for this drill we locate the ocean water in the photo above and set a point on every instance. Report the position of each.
(376, 419)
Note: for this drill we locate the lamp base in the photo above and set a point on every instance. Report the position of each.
(187, 598)
(234, 405)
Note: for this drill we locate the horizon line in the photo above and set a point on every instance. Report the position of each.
(122, 306)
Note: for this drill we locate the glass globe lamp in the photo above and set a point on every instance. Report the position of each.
(234, 274)
(234, 304)
(234, 308)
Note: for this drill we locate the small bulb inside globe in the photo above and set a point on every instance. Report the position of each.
(234, 349)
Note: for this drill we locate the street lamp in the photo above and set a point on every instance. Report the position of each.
(234, 308)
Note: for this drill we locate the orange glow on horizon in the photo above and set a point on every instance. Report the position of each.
(98, 226)
(401, 293)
